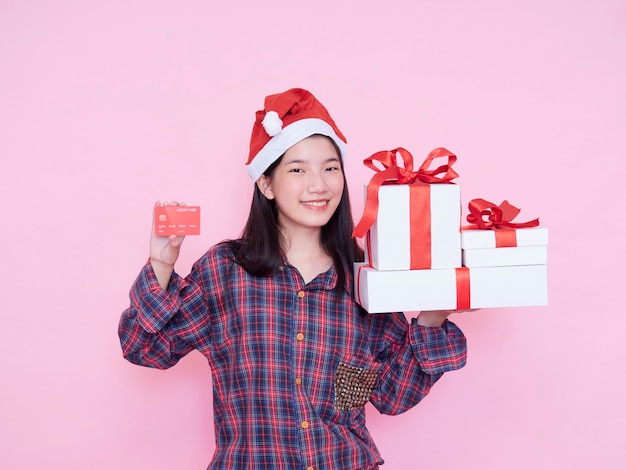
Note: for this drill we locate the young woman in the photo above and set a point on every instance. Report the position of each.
(294, 359)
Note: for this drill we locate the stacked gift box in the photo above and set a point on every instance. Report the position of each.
(419, 257)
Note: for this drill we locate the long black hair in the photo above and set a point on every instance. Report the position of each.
(259, 250)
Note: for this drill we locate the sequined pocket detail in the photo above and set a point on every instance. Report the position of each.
(353, 386)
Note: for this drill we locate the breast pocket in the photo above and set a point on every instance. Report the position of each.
(353, 386)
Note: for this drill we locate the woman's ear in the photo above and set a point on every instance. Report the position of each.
(265, 187)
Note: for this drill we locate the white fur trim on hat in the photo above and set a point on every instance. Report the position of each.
(272, 123)
(288, 137)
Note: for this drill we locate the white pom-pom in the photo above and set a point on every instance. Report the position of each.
(272, 123)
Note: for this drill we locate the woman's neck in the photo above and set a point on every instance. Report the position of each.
(306, 253)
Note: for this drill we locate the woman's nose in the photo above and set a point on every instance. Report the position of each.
(317, 183)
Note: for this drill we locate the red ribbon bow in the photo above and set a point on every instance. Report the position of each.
(392, 173)
(486, 215)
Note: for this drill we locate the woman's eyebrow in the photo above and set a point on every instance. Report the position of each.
(303, 160)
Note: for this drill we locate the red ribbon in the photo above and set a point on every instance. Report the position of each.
(485, 215)
(358, 283)
(418, 182)
(463, 298)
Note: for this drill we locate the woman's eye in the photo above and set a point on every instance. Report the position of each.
(296, 170)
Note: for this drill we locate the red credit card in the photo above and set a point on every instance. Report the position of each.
(177, 220)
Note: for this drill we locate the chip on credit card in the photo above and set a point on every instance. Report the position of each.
(177, 220)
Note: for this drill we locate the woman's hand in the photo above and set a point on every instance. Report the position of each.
(437, 317)
(164, 251)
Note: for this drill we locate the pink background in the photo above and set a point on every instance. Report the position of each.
(106, 107)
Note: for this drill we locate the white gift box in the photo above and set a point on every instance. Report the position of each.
(390, 236)
(436, 289)
(479, 248)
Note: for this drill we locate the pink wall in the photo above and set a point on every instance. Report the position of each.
(108, 106)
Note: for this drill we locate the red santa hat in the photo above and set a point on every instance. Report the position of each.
(286, 119)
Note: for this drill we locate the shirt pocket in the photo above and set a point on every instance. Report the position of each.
(355, 379)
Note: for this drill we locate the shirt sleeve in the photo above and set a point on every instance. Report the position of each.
(162, 325)
(412, 358)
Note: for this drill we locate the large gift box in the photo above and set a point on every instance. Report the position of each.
(397, 239)
(411, 219)
(493, 239)
(450, 289)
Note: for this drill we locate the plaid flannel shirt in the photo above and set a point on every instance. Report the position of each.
(292, 365)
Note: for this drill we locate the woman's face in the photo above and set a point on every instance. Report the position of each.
(307, 185)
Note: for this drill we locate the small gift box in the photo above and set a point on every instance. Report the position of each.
(450, 289)
(411, 219)
(493, 239)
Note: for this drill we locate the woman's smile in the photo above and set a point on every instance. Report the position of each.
(315, 204)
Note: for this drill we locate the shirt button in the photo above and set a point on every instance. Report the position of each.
(298, 380)
(299, 336)
(300, 293)
(304, 424)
